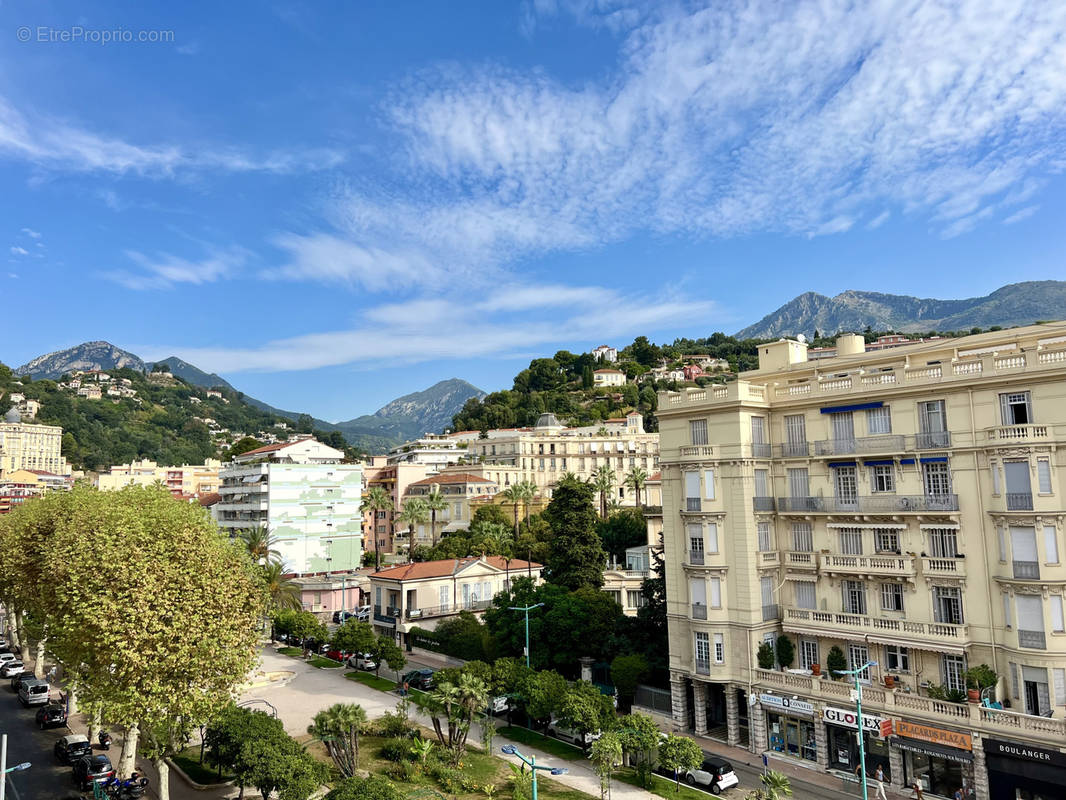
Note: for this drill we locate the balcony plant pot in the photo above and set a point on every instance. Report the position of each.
(973, 695)
(816, 670)
(890, 681)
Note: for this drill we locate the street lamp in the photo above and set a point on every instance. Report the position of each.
(4, 769)
(531, 762)
(527, 609)
(858, 718)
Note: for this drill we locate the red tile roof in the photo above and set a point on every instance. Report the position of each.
(421, 570)
(268, 448)
(458, 477)
(209, 499)
(658, 476)
(613, 371)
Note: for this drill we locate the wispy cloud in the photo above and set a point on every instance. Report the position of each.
(1021, 214)
(426, 329)
(58, 144)
(19, 251)
(31, 233)
(164, 270)
(330, 259)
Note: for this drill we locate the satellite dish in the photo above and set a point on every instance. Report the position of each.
(801, 339)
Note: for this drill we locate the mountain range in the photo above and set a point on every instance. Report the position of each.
(407, 417)
(1013, 304)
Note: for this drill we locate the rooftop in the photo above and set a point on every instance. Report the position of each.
(422, 570)
(462, 477)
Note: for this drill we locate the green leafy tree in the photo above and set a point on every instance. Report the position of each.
(283, 592)
(785, 651)
(636, 478)
(339, 727)
(452, 708)
(679, 754)
(242, 446)
(603, 482)
(260, 545)
(765, 655)
(627, 671)
(376, 499)
(354, 636)
(624, 529)
(372, 787)
(435, 502)
(585, 708)
(281, 765)
(544, 692)
(226, 735)
(414, 512)
(605, 753)
(775, 786)
(577, 557)
(836, 662)
(639, 736)
(386, 651)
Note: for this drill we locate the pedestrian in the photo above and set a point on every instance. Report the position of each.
(960, 794)
(403, 691)
(916, 791)
(879, 776)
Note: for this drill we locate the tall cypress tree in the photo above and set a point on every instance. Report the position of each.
(577, 557)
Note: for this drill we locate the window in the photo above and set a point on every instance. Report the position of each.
(712, 537)
(457, 510)
(878, 421)
(805, 594)
(854, 597)
(851, 541)
(1023, 552)
(1056, 613)
(695, 544)
(1013, 679)
(765, 542)
(943, 543)
(937, 479)
(859, 656)
(1043, 475)
(635, 598)
(716, 592)
(692, 491)
(766, 589)
(843, 428)
(1019, 488)
(762, 483)
(703, 649)
(884, 478)
(802, 537)
(697, 588)
(808, 653)
(708, 484)
(846, 486)
(795, 435)
(886, 540)
(758, 430)
(1016, 408)
(697, 429)
(932, 424)
(1051, 545)
(891, 597)
(897, 659)
(947, 605)
(443, 597)
(1008, 619)
(1060, 685)
(952, 670)
(799, 483)
(719, 649)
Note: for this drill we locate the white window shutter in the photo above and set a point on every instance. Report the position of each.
(708, 484)
(1056, 613)
(712, 537)
(716, 592)
(1051, 544)
(1013, 680)
(1060, 685)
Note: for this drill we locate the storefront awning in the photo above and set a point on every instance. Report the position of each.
(932, 647)
(934, 750)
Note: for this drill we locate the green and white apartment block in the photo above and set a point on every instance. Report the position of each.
(307, 499)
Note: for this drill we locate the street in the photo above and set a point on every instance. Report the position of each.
(47, 779)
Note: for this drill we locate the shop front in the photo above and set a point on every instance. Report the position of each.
(938, 760)
(790, 726)
(1023, 772)
(840, 728)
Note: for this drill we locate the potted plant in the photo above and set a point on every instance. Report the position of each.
(890, 681)
(977, 679)
(836, 662)
(816, 670)
(765, 656)
(786, 651)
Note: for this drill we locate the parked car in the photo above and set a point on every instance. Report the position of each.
(51, 716)
(570, 735)
(5, 647)
(90, 770)
(10, 669)
(72, 748)
(9, 656)
(498, 704)
(363, 613)
(362, 661)
(18, 680)
(715, 773)
(419, 679)
(34, 692)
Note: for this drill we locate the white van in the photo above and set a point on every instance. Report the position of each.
(571, 736)
(34, 693)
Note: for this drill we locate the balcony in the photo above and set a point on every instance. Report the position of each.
(932, 440)
(769, 558)
(771, 612)
(867, 445)
(871, 504)
(695, 557)
(1026, 570)
(794, 450)
(837, 624)
(699, 611)
(890, 566)
(762, 503)
(695, 452)
(1017, 433)
(1034, 640)
(944, 567)
(1019, 501)
(801, 560)
(703, 666)
(760, 450)
(693, 504)
(446, 610)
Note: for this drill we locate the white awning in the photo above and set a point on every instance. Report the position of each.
(930, 527)
(895, 525)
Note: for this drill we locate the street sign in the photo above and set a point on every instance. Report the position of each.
(854, 696)
(886, 728)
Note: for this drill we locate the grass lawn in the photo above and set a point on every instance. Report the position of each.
(291, 651)
(189, 761)
(324, 663)
(371, 680)
(545, 743)
(664, 787)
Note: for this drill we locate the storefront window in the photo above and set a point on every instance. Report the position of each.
(792, 736)
(844, 751)
(936, 775)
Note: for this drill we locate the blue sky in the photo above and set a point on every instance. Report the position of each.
(333, 204)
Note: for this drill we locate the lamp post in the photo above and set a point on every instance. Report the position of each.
(526, 609)
(531, 762)
(4, 768)
(858, 718)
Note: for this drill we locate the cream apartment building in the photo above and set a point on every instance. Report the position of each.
(544, 453)
(457, 489)
(33, 447)
(188, 479)
(905, 506)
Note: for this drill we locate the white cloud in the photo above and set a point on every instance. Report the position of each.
(164, 271)
(427, 329)
(1021, 214)
(18, 251)
(58, 144)
(878, 221)
(331, 259)
(31, 233)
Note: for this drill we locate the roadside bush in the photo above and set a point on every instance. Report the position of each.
(402, 771)
(451, 780)
(393, 726)
(395, 750)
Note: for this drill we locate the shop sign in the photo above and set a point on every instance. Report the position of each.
(787, 705)
(1024, 752)
(934, 750)
(841, 716)
(960, 741)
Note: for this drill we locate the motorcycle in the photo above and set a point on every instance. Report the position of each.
(130, 789)
(105, 740)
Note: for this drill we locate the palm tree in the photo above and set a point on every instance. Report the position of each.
(527, 491)
(775, 786)
(376, 499)
(435, 502)
(414, 512)
(338, 727)
(636, 477)
(603, 482)
(260, 544)
(283, 592)
(513, 496)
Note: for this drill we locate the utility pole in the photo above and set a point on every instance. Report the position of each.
(526, 609)
(858, 720)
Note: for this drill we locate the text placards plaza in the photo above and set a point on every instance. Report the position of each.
(787, 705)
(845, 718)
(960, 741)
